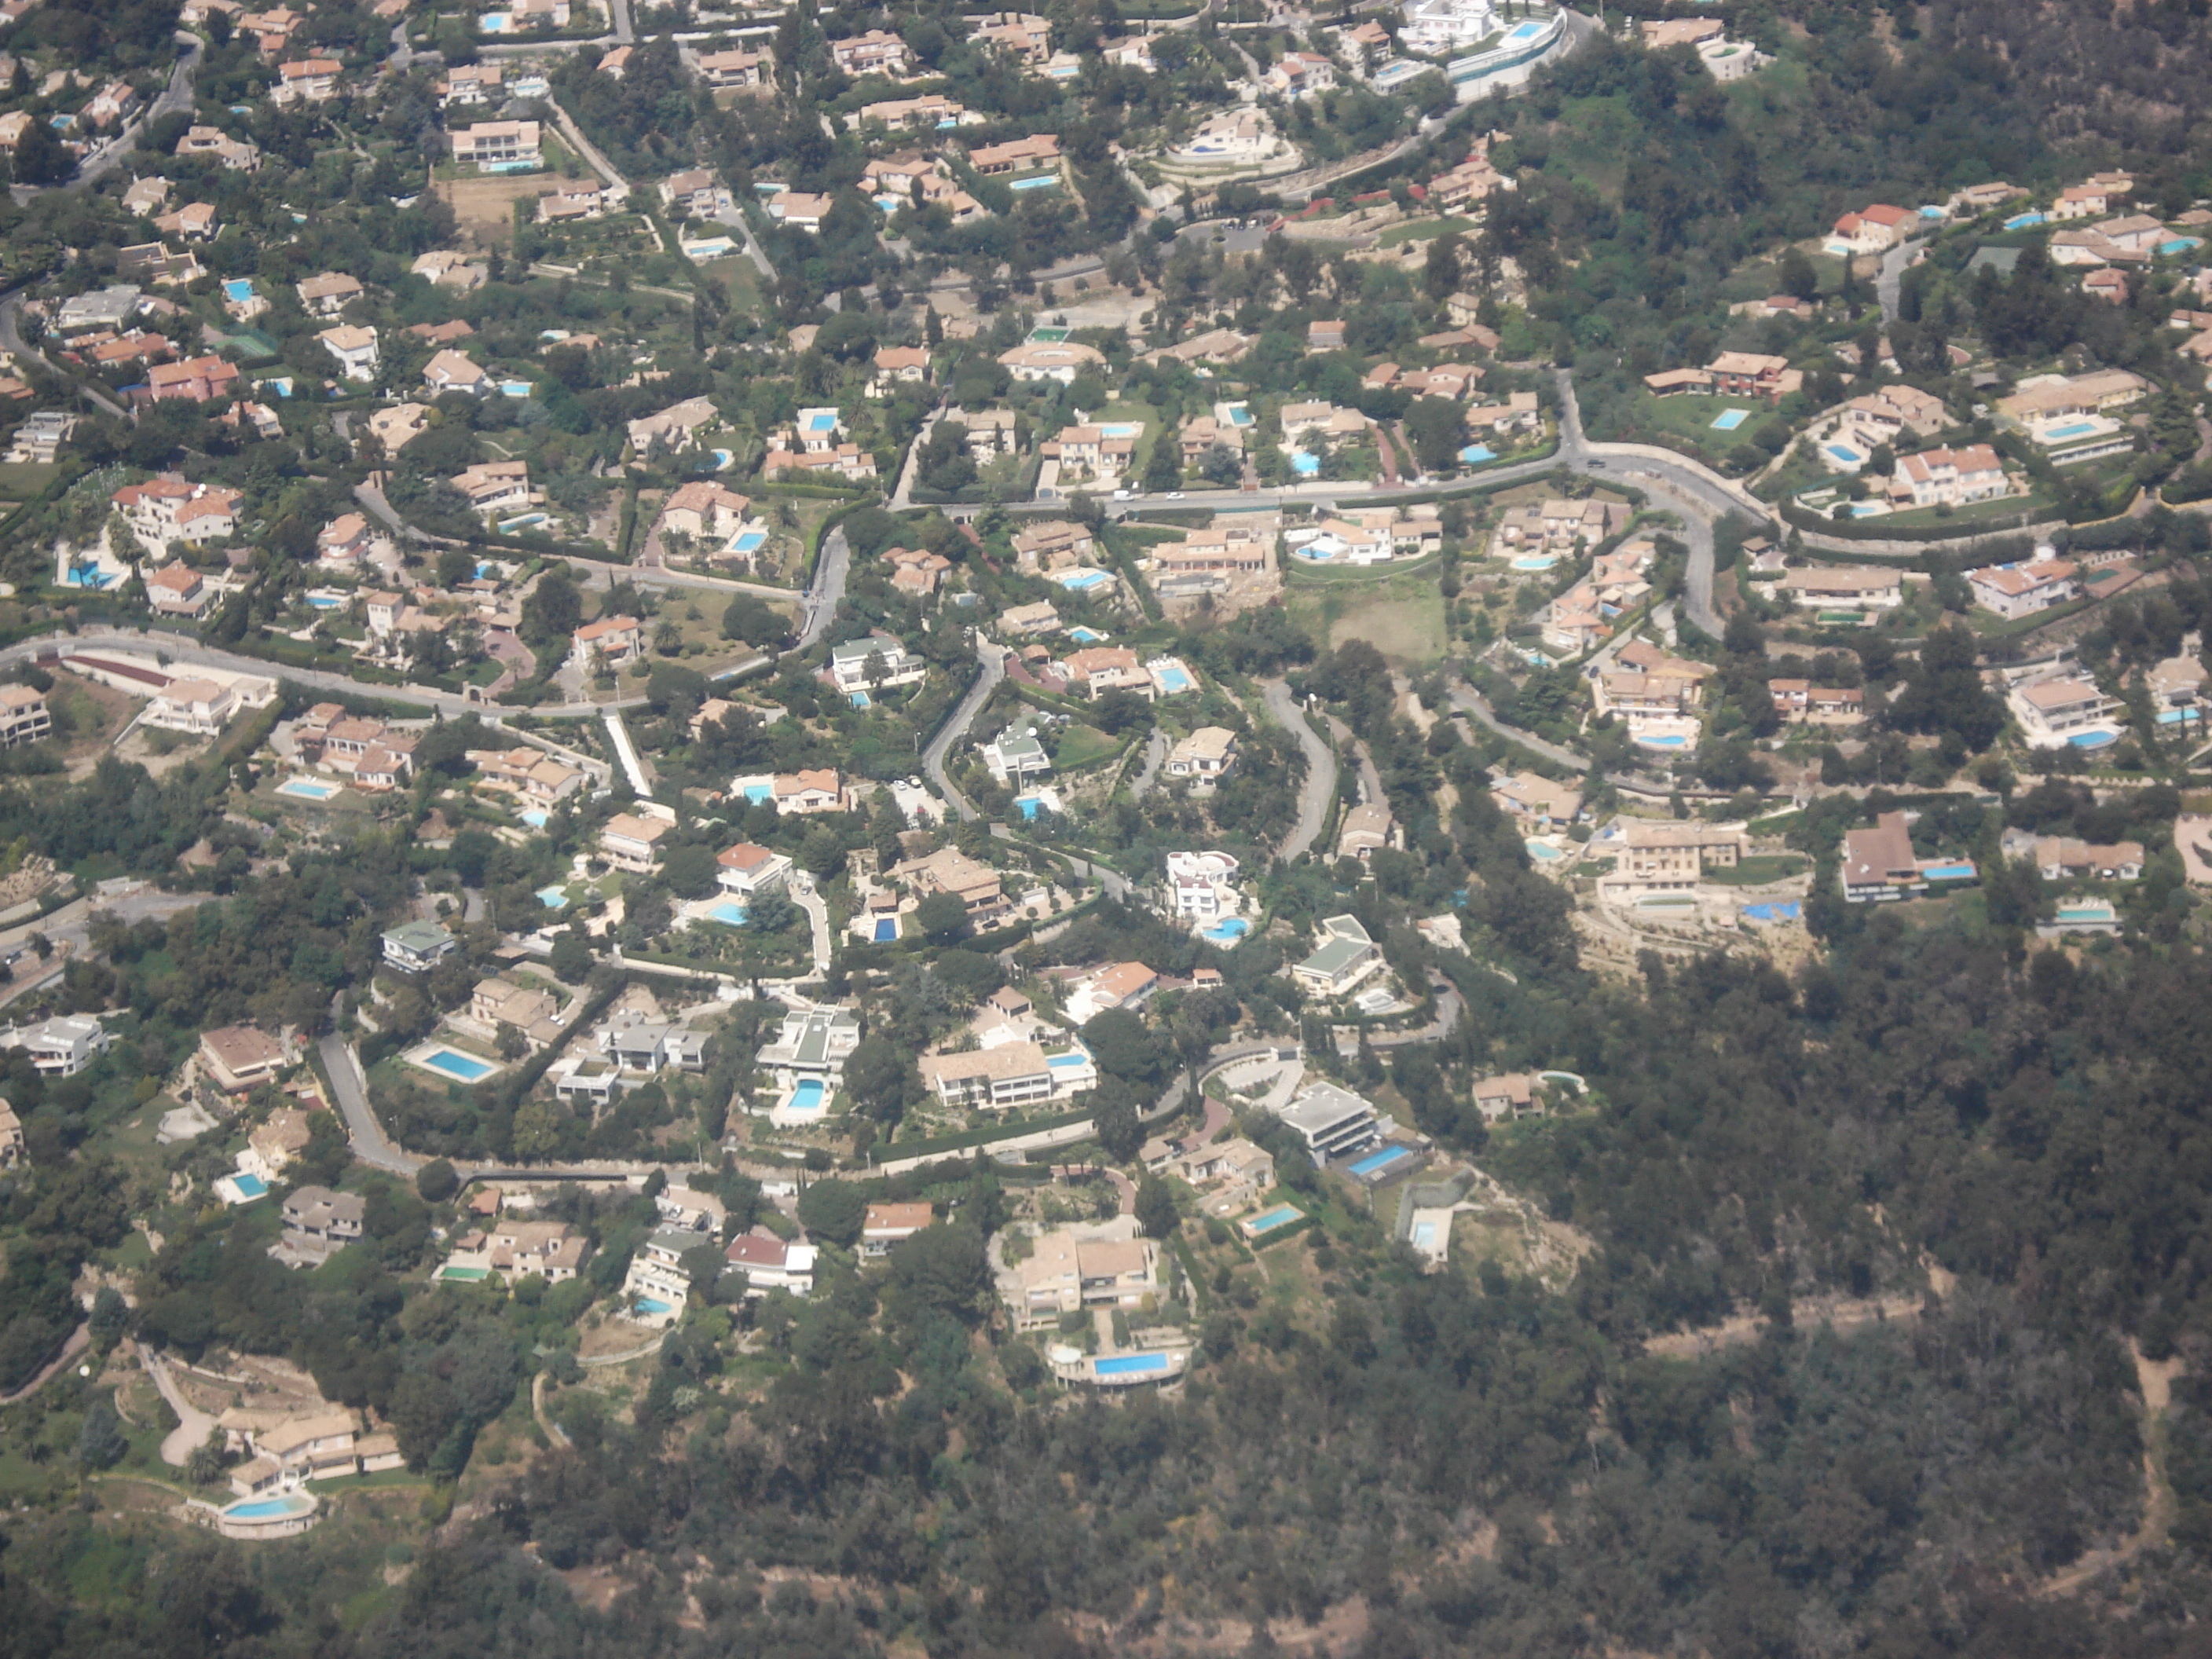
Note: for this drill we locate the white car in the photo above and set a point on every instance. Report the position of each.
(1174, 495)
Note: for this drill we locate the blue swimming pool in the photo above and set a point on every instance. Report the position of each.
(1728, 419)
(1268, 1221)
(1305, 465)
(1174, 679)
(238, 290)
(886, 929)
(1122, 429)
(1960, 871)
(723, 458)
(1779, 912)
(757, 792)
(1844, 454)
(750, 542)
(1535, 562)
(1544, 852)
(1664, 742)
(1227, 930)
(1083, 580)
(250, 1185)
(653, 1305)
(730, 913)
(861, 699)
(2176, 716)
(2087, 913)
(307, 788)
(1043, 181)
(1028, 806)
(2179, 244)
(2023, 220)
(1380, 1160)
(535, 817)
(822, 421)
(2071, 429)
(325, 601)
(264, 1508)
(2094, 739)
(515, 388)
(1086, 635)
(1239, 416)
(808, 1096)
(458, 1066)
(1425, 1235)
(1129, 1365)
(553, 898)
(1475, 454)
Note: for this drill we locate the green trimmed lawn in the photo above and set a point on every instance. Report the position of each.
(1083, 745)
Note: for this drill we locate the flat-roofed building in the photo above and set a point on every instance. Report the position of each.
(1334, 1122)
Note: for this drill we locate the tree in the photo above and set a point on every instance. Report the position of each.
(880, 1078)
(554, 610)
(754, 620)
(1441, 272)
(1126, 1048)
(1115, 1121)
(1164, 467)
(1156, 1207)
(571, 957)
(1434, 428)
(835, 1210)
(436, 1181)
(690, 871)
(942, 1269)
(943, 919)
(40, 157)
(100, 1444)
(455, 566)
(1797, 277)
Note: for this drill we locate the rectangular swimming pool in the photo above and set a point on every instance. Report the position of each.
(463, 1275)
(1083, 580)
(307, 788)
(1728, 419)
(1960, 871)
(808, 1096)
(1380, 1160)
(886, 929)
(460, 1067)
(1122, 429)
(1129, 1365)
(730, 913)
(750, 542)
(1269, 1220)
(2071, 429)
(250, 1185)
(1174, 679)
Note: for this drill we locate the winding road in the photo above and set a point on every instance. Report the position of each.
(1320, 786)
(991, 658)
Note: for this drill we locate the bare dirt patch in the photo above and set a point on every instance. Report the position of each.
(1842, 1315)
(485, 207)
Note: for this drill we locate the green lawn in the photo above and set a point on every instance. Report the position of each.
(1423, 230)
(1758, 870)
(1083, 745)
(1691, 416)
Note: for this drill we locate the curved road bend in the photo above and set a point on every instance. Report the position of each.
(991, 658)
(1320, 784)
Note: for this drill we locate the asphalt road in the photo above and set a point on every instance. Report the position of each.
(827, 592)
(370, 1144)
(1320, 786)
(12, 342)
(991, 658)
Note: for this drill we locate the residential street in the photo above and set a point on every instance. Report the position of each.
(1320, 784)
